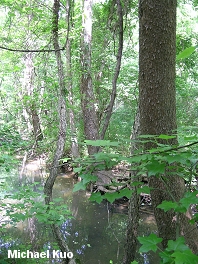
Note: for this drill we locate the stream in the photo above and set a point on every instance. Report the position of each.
(95, 234)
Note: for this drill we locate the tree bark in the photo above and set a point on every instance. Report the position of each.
(117, 70)
(134, 204)
(74, 142)
(132, 227)
(30, 107)
(61, 107)
(157, 105)
(88, 101)
(62, 130)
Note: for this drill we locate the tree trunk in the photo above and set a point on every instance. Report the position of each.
(61, 107)
(134, 204)
(74, 142)
(117, 70)
(30, 107)
(87, 94)
(36, 124)
(132, 227)
(62, 130)
(157, 104)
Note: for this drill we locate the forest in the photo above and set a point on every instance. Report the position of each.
(98, 131)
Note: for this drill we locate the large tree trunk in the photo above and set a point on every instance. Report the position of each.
(157, 104)
(88, 101)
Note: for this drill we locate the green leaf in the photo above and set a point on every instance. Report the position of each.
(88, 178)
(144, 189)
(155, 167)
(96, 197)
(178, 245)
(162, 136)
(102, 156)
(191, 138)
(149, 243)
(101, 143)
(77, 169)
(126, 192)
(185, 257)
(136, 183)
(138, 158)
(189, 198)
(65, 159)
(111, 197)
(166, 257)
(186, 53)
(180, 209)
(167, 205)
(16, 68)
(79, 186)
(171, 158)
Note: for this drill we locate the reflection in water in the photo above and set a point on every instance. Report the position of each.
(96, 234)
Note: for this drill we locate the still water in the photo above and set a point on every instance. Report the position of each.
(96, 234)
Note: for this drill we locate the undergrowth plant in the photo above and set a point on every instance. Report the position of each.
(179, 160)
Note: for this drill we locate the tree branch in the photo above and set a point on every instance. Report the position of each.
(29, 50)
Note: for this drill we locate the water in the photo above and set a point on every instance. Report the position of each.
(96, 234)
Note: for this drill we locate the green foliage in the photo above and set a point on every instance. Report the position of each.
(111, 197)
(183, 205)
(176, 252)
(155, 167)
(158, 162)
(10, 143)
(149, 243)
(26, 203)
(20, 29)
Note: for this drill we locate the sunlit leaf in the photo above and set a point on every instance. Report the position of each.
(101, 143)
(65, 159)
(162, 136)
(186, 53)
